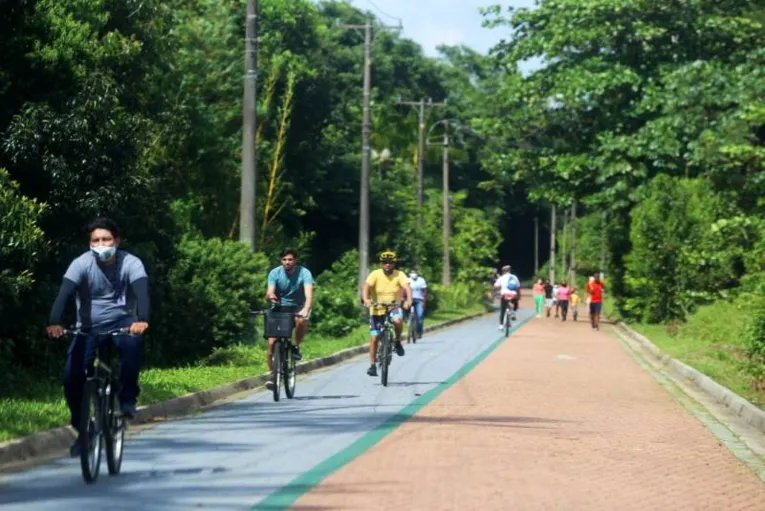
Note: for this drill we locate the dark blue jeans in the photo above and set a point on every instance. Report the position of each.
(419, 311)
(79, 363)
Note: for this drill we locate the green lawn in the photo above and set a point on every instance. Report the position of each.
(711, 342)
(39, 402)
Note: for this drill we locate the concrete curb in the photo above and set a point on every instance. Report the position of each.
(750, 413)
(55, 442)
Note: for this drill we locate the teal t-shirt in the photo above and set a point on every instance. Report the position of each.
(290, 288)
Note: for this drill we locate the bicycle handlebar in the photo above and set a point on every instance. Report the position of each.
(116, 331)
(391, 305)
(263, 312)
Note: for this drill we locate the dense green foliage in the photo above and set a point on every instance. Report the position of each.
(133, 110)
(651, 115)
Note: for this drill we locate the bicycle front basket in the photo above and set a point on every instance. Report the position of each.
(279, 324)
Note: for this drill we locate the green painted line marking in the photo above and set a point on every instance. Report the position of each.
(302, 484)
(718, 428)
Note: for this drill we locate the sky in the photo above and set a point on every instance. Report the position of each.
(434, 22)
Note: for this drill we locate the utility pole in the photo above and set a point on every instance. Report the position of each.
(552, 245)
(421, 105)
(563, 271)
(249, 180)
(447, 228)
(366, 149)
(602, 242)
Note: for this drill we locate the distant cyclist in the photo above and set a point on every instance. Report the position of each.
(384, 285)
(290, 286)
(509, 288)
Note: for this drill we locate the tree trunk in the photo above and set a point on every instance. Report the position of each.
(536, 246)
(552, 244)
(572, 271)
(563, 271)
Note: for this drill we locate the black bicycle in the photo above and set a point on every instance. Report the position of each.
(385, 342)
(411, 326)
(281, 325)
(99, 415)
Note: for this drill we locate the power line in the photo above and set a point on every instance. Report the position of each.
(383, 12)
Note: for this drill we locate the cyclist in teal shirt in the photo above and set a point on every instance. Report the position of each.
(291, 287)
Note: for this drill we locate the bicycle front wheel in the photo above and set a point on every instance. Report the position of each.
(385, 356)
(114, 433)
(290, 373)
(91, 423)
(278, 365)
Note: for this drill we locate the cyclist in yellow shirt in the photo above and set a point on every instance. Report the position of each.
(384, 285)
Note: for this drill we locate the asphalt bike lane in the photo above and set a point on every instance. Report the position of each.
(256, 450)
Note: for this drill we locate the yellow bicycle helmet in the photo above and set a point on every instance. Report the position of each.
(388, 257)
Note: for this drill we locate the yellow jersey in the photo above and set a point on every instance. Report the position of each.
(574, 300)
(385, 288)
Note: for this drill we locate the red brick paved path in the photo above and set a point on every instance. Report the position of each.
(558, 417)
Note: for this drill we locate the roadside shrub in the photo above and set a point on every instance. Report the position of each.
(754, 334)
(337, 306)
(207, 298)
(677, 262)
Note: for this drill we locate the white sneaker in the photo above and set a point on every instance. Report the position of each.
(500, 327)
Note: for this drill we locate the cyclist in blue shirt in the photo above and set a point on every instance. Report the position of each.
(291, 287)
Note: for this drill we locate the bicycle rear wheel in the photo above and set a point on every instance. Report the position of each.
(114, 432)
(91, 422)
(278, 365)
(385, 355)
(290, 372)
(507, 322)
(411, 333)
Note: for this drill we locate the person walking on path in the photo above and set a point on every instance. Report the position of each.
(595, 293)
(539, 297)
(563, 295)
(548, 297)
(573, 303)
(556, 303)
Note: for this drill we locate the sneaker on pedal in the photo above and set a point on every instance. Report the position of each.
(128, 410)
(296, 353)
(372, 371)
(500, 327)
(270, 384)
(76, 448)
(399, 348)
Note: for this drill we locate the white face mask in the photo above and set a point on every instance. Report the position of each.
(104, 253)
(412, 275)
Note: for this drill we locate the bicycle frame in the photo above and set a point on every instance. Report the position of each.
(100, 389)
(385, 341)
(283, 362)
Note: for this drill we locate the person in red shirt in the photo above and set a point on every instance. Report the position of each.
(594, 290)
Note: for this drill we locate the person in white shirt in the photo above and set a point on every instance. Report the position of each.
(419, 297)
(510, 293)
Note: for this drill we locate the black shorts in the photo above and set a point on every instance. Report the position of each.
(596, 307)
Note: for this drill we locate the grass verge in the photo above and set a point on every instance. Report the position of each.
(711, 341)
(38, 403)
